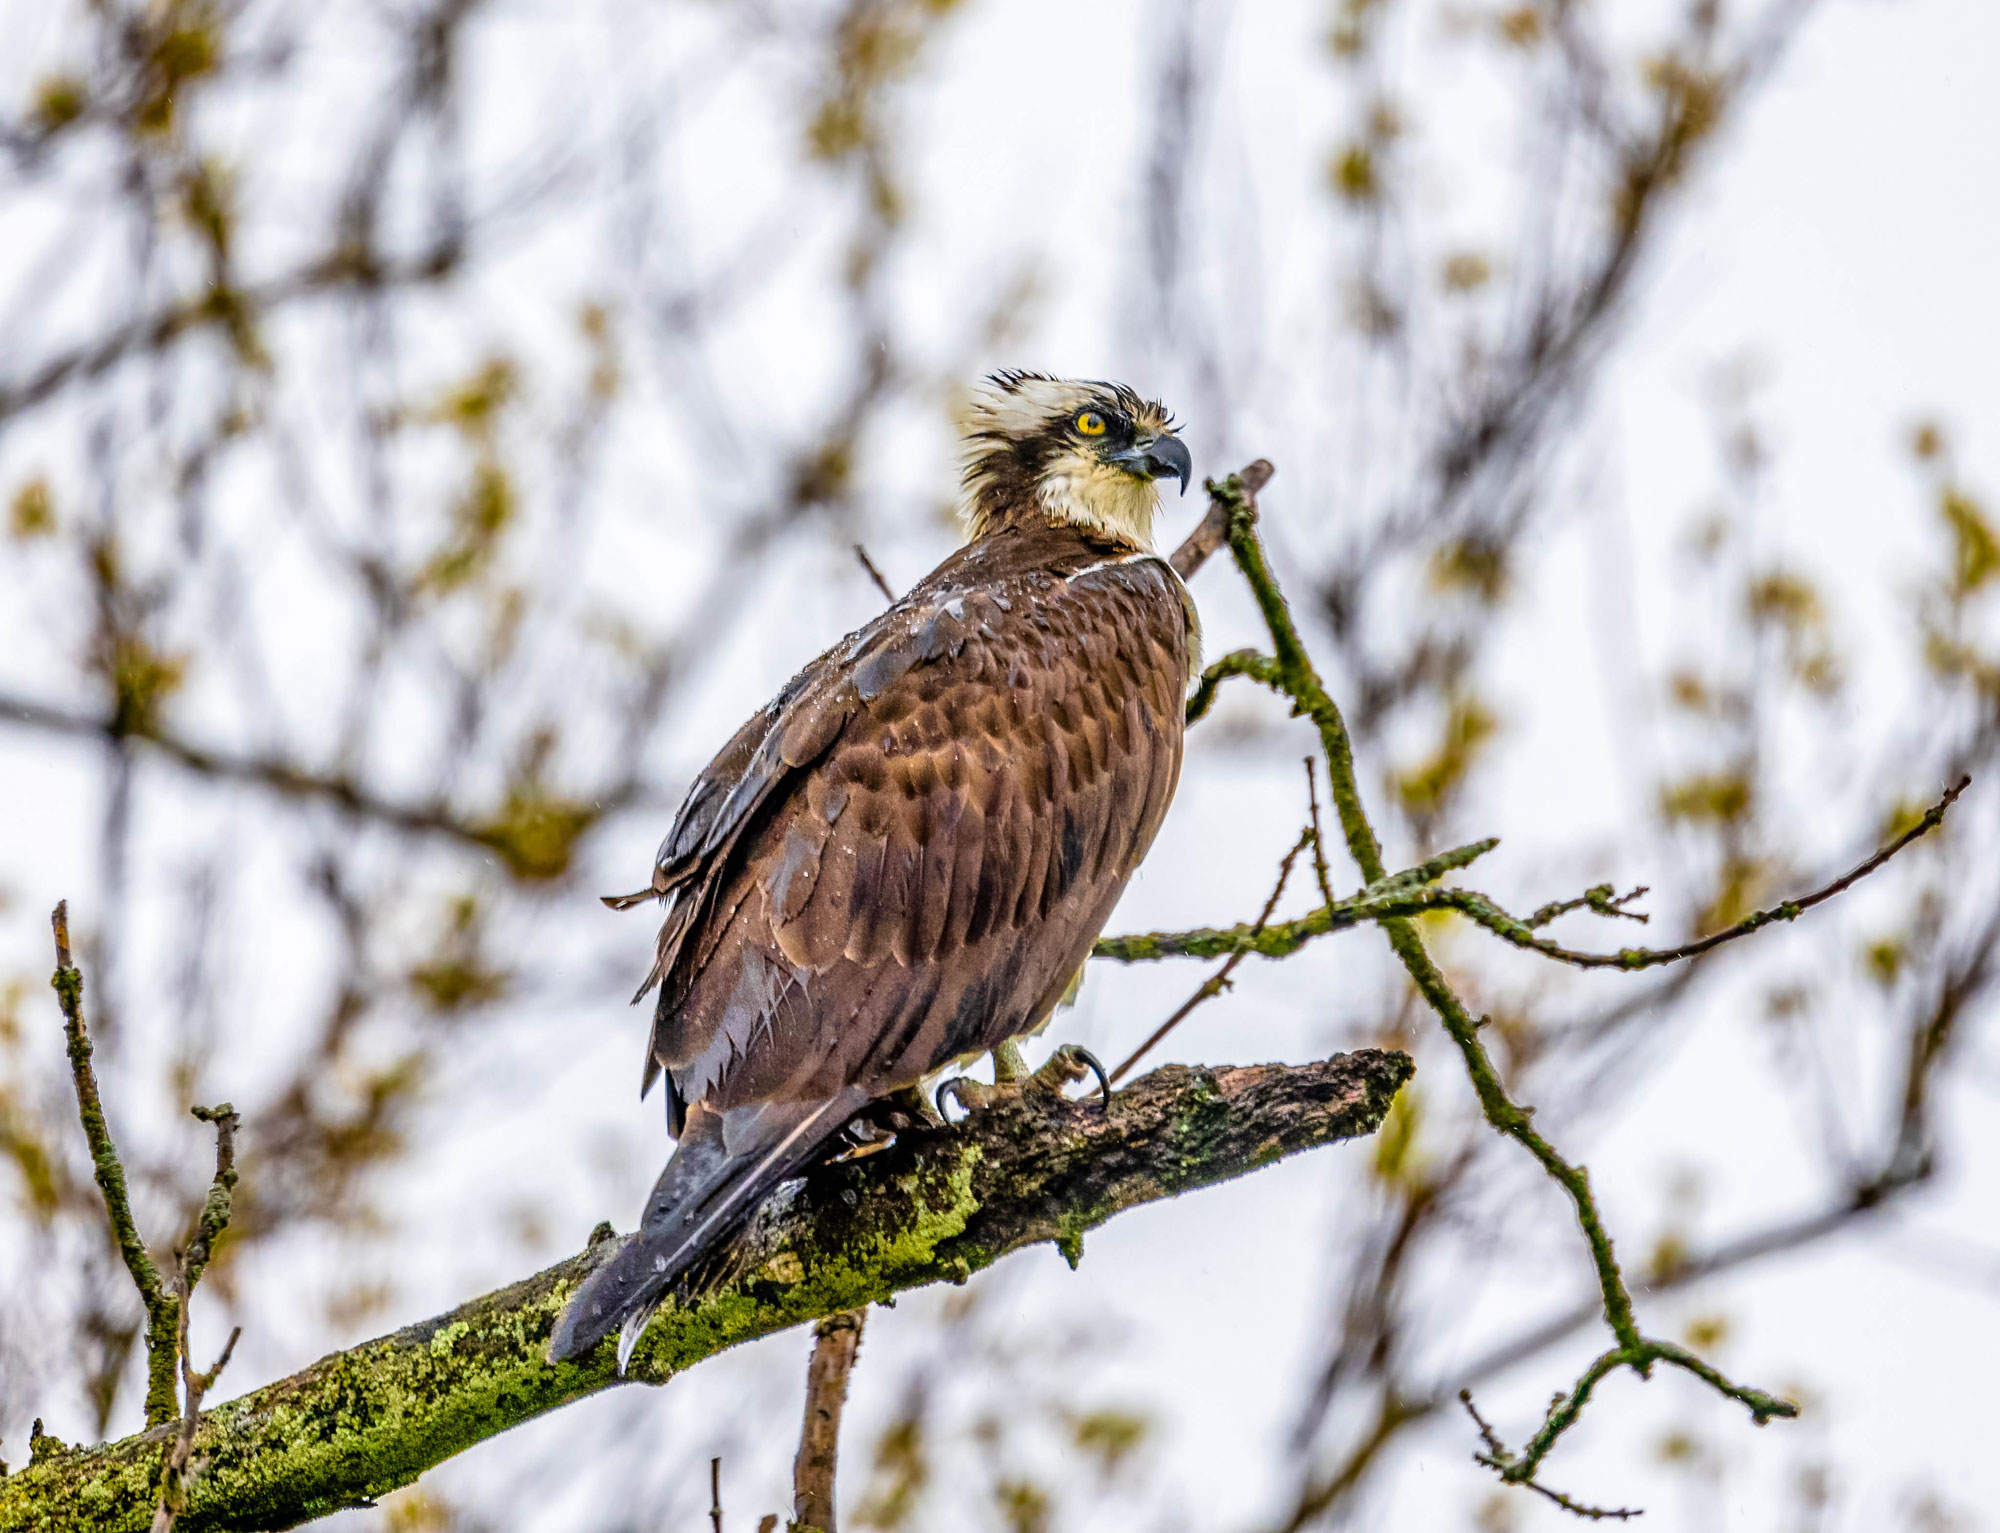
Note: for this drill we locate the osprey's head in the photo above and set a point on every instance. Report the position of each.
(1071, 451)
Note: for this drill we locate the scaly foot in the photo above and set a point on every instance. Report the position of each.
(876, 1126)
(1071, 1062)
(1068, 1063)
(864, 1137)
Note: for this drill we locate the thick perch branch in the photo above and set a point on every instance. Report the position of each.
(938, 1206)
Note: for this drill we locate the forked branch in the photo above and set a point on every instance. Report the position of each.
(1393, 900)
(1410, 893)
(162, 1307)
(166, 1308)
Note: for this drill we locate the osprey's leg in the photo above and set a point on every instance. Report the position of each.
(1008, 1065)
(876, 1126)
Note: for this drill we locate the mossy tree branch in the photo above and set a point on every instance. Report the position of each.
(1400, 894)
(166, 1320)
(1238, 662)
(939, 1205)
(214, 1216)
(1392, 901)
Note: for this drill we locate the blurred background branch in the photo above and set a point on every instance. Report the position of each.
(427, 428)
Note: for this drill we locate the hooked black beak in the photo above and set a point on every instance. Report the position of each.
(1165, 454)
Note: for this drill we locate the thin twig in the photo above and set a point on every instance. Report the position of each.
(1217, 982)
(1521, 933)
(715, 1473)
(1599, 899)
(868, 564)
(836, 1343)
(214, 1216)
(161, 1306)
(1594, 1513)
(180, 1451)
(1486, 1433)
(1497, 1457)
(1238, 662)
(1320, 873)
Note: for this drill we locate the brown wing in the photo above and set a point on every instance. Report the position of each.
(923, 842)
(730, 794)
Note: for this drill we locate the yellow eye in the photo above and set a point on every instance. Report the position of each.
(1090, 423)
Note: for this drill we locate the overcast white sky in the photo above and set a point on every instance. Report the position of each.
(1848, 247)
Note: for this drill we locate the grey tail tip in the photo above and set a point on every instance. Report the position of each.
(572, 1342)
(590, 1316)
(629, 1332)
(566, 1344)
(702, 1199)
(578, 1334)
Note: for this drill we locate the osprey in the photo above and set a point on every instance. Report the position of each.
(902, 861)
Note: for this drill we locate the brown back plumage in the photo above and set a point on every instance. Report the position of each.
(905, 857)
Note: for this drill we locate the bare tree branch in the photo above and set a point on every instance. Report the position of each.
(836, 1344)
(1217, 982)
(1402, 895)
(881, 584)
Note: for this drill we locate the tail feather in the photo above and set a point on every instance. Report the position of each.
(721, 1170)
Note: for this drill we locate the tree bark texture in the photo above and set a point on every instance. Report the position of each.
(937, 1206)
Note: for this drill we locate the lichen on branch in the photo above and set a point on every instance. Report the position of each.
(937, 1206)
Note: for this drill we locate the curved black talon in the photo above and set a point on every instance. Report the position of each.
(1096, 1069)
(950, 1088)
